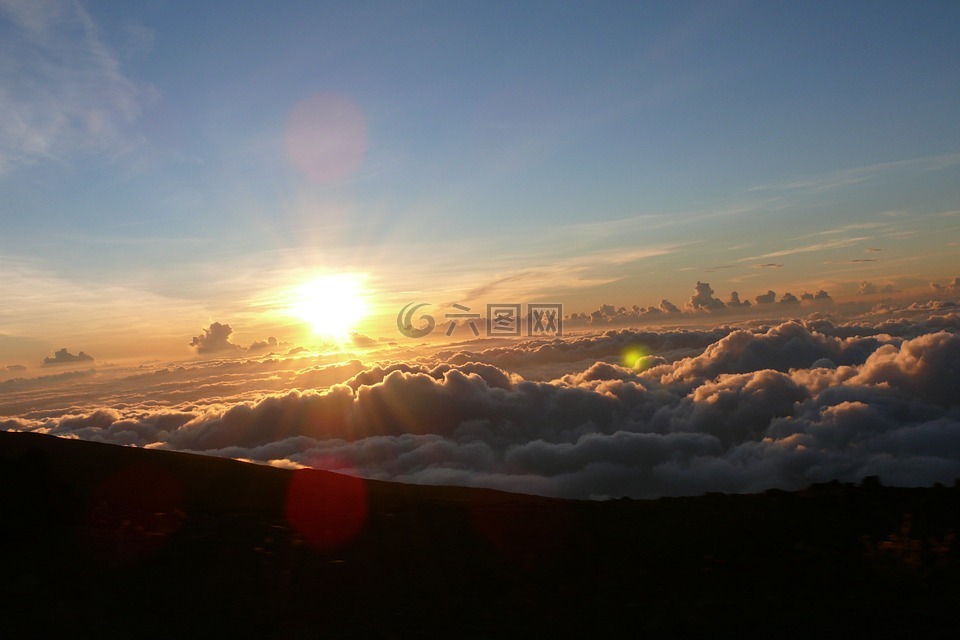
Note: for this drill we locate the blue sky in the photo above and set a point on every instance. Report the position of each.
(611, 152)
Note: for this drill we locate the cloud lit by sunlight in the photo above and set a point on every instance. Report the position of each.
(725, 408)
(248, 233)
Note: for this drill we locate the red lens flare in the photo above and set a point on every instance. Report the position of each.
(327, 509)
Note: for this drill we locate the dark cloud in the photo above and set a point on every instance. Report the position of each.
(866, 289)
(16, 367)
(703, 301)
(63, 356)
(768, 265)
(215, 339)
(735, 303)
(607, 314)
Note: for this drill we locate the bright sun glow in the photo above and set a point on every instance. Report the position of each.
(332, 304)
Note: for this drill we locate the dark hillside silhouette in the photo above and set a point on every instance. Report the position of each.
(121, 542)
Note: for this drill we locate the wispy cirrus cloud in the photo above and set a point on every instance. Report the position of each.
(64, 92)
(840, 243)
(856, 175)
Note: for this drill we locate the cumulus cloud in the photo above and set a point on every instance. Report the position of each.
(927, 367)
(62, 357)
(866, 289)
(703, 300)
(951, 288)
(262, 345)
(709, 410)
(820, 297)
(735, 303)
(214, 339)
(609, 314)
(668, 307)
(766, 298)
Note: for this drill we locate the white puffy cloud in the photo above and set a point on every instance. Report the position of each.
(713, 410)
(703, 300)
(214, 339)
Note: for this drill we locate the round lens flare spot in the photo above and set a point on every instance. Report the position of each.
(633, 356)
(332, 305)
(326, 138)
(326, 508)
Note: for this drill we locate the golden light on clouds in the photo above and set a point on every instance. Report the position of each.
(331, 304)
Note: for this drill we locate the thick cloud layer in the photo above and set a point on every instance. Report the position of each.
(723, 409)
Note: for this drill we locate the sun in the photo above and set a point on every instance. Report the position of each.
(331, 304)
